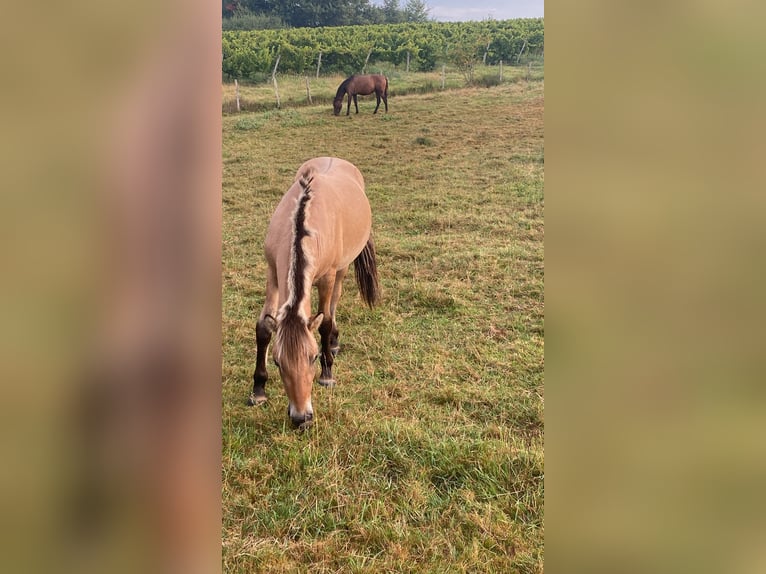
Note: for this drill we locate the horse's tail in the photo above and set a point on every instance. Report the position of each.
(366, 271)
(385, 90)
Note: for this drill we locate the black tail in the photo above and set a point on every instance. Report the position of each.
(366, 271)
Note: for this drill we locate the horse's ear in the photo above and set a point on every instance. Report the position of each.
(270, 322)
(315, 321)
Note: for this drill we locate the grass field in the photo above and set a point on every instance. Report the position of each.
(260, 96)
(427, 456)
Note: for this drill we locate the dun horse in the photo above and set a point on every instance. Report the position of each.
(320, 226)
(361, 85)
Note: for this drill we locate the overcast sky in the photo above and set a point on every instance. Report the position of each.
(463, 10)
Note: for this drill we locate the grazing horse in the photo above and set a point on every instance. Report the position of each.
(361, 85)
(320, 226)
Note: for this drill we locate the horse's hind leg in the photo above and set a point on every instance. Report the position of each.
(385, 99)
(377, 95)
(263, 330)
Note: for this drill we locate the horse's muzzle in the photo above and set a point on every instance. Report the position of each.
(302, 422)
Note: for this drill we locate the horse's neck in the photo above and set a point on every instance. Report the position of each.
(303, 307)
(298, 294)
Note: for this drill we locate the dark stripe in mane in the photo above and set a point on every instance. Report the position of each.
(343, 87)
(298, 260)
(291, 325)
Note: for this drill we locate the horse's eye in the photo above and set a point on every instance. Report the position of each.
(277, 364)
(314, 359)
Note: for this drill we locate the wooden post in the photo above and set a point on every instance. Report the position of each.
(444, 66)
(319, 63)
(529, 69)
(276, 89)
(274, 79)
(236, 89)
(308, 90)
(367, 59)
(484, 60)
(408, 62)
(501, 71)
(524, 45)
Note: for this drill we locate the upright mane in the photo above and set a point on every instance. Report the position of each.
(296, 277)
(291, 324)
(343, 87)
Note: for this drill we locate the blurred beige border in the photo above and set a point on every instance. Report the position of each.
(111, 221)
(654, 298)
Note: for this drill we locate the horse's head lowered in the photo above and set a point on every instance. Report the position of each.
(295, 352)
(337, 104)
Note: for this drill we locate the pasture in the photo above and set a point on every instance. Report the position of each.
(427, 456)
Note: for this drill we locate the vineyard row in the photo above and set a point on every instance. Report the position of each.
(346, 49)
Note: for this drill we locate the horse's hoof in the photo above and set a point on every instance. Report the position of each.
(328, 383)
(256, 400)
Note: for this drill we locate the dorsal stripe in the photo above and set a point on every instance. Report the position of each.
(298, 258)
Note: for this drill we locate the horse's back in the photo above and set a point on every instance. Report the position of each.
(338, 213)
(331, 168)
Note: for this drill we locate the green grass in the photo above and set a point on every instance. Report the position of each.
(428, 454)
(260, 96)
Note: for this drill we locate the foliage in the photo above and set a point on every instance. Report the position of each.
(244, 19)
(415, 11)
(308, 12)
(250, 54)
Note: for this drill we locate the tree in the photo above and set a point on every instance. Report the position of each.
(310, 13)
(463, 56)
(392, 14)
(416, 11)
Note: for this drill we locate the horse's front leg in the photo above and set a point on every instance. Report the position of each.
(263, 330)
(356, 104)
(348, 106)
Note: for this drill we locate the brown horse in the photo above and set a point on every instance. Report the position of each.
(361, 85)
(320, 226)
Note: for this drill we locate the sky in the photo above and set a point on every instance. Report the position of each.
(464, 10)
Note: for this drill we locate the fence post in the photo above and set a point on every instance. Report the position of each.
(308, 90)
(518, 58)
(274, 79)
(367, 59)
(408, 62)
(444, 66)
(529, 69)
(501, 71)
(484, 59)
(319, 63)
(236, 89)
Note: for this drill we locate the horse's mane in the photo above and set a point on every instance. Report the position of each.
(291, 332)
(343, 86)
(291, 324)
(298, 261)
